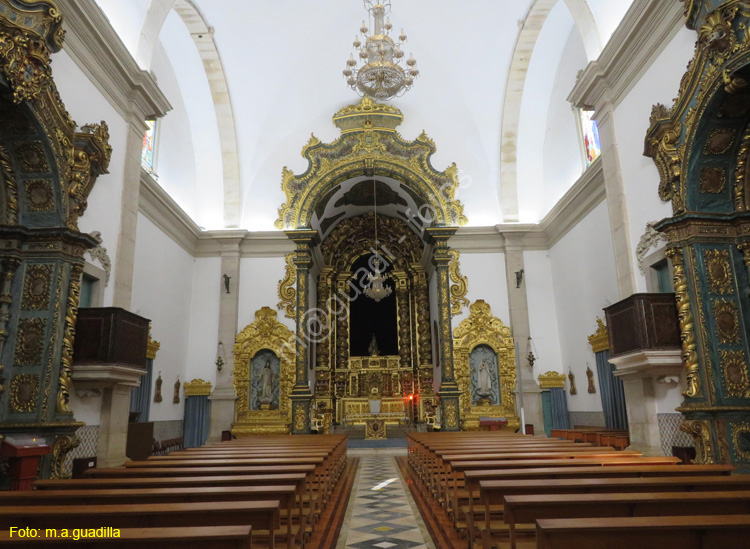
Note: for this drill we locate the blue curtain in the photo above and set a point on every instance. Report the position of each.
(613, 393)
(140, 397)
(559, 408)
(196, 420)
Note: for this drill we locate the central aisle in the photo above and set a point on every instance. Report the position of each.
(381, 511)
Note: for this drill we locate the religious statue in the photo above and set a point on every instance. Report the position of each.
(373, 348)
(176, 399)
(157, 390)
(485, 384)
(590, 375)
(266, 384)
(572, 379)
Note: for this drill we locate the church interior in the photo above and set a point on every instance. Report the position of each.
(376, 294)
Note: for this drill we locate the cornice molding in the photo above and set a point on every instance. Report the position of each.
(646, 29)
(94, 46)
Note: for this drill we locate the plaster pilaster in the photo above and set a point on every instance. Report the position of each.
(519, 321)
(223, 396)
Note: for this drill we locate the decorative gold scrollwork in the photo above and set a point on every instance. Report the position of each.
(24, 390)
(460, 285)
(66, 361)
(719, 271)
(734, 366)
(60, 449)
(700, 430)
(287, 290)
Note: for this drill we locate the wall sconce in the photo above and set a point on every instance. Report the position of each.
(519, 278)
(530, 348)
(220, 356)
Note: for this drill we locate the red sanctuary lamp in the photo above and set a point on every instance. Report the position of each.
(23, 455)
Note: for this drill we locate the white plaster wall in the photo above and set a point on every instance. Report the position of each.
(204, 130)
(126, 18)
(487, 280)
(259, 280)
(86, 105)
(543, 318)
(563, 151)
(659, 84)
(175, 153)
(533, 119)
(668, 396)
(608, 14)
(204, 321)
(584, 282)
(162, 292)
(86, 408)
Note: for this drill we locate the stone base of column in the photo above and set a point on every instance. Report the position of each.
(450, 411)
(639, 371)
(222, 412)
(533, 414)
(301, 412)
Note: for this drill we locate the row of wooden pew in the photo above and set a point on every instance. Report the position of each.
(505, 490)
(262, 491)
(618, 439)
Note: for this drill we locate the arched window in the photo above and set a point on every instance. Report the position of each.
(589, 136)
(148, 153)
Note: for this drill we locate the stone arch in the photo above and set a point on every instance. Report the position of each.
(203, 36)
(514, 89)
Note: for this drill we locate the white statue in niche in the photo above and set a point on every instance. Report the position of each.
(485, 383)
(266, 384)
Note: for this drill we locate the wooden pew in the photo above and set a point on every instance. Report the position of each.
(528, 509)
(206, 537)
(261, 515)
(493, 492)
(286, 494)
(705, 532)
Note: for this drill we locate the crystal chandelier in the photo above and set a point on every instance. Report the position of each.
(381, 77)
(376, 288)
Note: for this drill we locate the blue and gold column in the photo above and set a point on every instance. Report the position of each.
(449, 392)
(301, 396)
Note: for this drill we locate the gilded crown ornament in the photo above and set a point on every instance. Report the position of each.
(381, 77)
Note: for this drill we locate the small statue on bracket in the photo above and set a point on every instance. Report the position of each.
(176, 399)
(572, 378)
(590, 375)
(157, 390)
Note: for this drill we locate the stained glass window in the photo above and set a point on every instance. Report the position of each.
(149, 145)
(590, 135)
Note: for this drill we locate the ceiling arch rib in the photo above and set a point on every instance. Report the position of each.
(203, 36)
(524, 48)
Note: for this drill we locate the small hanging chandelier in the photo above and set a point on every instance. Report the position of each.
(376, 288)
(381, 77)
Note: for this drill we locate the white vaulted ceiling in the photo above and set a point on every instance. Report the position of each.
(282, 63)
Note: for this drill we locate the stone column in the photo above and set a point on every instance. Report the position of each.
(519, 321)
(223, 396)
(639, 372)
(449, 392)
(301, 395)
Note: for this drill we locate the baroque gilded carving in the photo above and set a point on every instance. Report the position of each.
(66, 361)
(60, 449)
(39, 195)
(700, 430)
(24, 391)
(369, 145)
(649, 239)
(713, 180)
(719, 271)
(740, 431)
(687, 329)
(726, 320)
(482, 328)
(287, 288)
(599, 340)
(460, 285)
(36, 287)
(550, 380)
(266, 332)
(196, 387)
(30, 341)
(734, 365)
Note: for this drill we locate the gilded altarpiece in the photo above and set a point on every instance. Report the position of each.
(264, 342)
(481, 342)
(47, 169)
(701, 146)
(345, 383)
